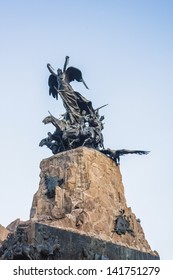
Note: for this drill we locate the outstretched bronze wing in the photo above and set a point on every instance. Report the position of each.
(73, 73)
(125, 152)
(115, 154)
(53, 84)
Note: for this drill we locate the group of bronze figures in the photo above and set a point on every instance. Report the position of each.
(18, 246)
(81, 125)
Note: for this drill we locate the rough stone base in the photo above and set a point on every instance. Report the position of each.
(81, 190)
(78, 212)
(34, 241)
(74, 246)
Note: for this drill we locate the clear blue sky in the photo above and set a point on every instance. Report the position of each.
(125, 51)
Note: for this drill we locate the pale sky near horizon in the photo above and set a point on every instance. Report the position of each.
(125, 51)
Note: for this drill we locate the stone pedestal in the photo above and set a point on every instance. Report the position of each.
(81, 190)
(80, 212)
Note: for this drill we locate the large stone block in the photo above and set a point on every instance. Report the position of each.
(81, 191)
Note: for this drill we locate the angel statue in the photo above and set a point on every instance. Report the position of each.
(81, 125)
(74, 102)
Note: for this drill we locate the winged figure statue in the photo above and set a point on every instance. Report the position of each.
(59, 83)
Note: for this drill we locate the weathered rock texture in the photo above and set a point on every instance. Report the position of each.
(79, 212)
(3, 233)
(81, 191)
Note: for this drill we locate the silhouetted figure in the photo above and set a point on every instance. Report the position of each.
(59, 83)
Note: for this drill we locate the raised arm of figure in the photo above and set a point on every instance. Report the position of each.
(51, 70)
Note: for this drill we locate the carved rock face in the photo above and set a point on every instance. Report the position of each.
(78, 212)
(88, 197)
(3, 233)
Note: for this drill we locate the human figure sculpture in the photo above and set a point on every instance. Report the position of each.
(59, 83)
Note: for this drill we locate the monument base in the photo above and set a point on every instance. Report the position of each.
(36, 241)
(78, 212)
(75, 246)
